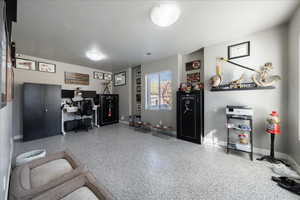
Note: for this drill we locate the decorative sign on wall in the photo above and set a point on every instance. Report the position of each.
(239, 50)
(120, 79)
(98, 75)
(47, 67)
(194, 65)
(25, 64)
(107, 77)
(193, 78)
(9, 76)
(77, 78)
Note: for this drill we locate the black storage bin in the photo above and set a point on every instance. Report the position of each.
(86, 123)
(71, 125)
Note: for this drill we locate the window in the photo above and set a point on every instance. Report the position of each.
(159, 91)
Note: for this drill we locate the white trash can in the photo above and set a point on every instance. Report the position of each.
(29, 156)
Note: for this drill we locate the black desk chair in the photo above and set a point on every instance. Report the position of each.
(85, 109)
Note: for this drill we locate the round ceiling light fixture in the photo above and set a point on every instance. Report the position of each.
(165, 14)
(95, 55)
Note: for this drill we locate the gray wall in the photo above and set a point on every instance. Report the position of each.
(6, 147)
(168, 117)
(124, 95)
(22, 76)
(294, 53)
(267, 46)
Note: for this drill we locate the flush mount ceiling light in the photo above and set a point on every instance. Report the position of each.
(95, 55)
(165, 14)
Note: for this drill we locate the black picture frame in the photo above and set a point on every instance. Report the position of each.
(107, 77)
(98, 75)
(51, 64)
(4, 42)
(24, 59)
(123, 75)
(230, 57)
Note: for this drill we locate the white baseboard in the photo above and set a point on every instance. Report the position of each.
(261, 151)
(18, 137)
(124, 122)
(294, 164)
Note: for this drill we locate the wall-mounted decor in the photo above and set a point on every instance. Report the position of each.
(194, 65)
(120, 79)
(193, 77)
(77, 78)
(261, 78)
(25, 64)
(47, 67)
(239, 50)
(98, 75)
(107, 77)
(3, 62)
(9, 76)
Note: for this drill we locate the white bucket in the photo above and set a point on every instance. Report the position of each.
(29, 156)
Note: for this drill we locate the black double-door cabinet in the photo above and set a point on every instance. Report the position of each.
(190, 116)
(41, 111)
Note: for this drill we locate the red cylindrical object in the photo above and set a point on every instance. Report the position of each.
(273, 126)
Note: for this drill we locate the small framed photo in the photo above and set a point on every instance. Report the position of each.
(47, 67)
(107, 77)
(193, 77)
(239, 50)
(120, 79)
(194, 65)
(25, 64)
(98, 75)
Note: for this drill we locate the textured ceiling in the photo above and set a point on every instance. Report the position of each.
(65, 30)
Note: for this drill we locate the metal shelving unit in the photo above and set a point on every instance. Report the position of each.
(246, 148)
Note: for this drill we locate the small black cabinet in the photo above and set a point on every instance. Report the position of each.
(190, 121)
(109, 109)
(41, 111)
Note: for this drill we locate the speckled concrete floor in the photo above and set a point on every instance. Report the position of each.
(138, 166)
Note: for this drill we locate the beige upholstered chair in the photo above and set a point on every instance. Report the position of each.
(83, 187)
(38, 176)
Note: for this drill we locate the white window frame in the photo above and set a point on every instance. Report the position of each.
(159, 107)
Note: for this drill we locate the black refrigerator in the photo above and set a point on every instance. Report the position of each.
(41, 111)
(109, 109)
(190, 116)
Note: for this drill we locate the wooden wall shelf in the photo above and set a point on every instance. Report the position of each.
(238, 89)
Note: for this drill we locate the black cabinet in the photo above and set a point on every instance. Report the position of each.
(109, 109)
(190, 121)
(41, 111)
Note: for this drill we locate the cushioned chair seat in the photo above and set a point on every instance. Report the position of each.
(83, 187)
(50, 171)
(31, 179)
(81, 193)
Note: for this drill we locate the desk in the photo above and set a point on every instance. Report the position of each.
(68, 110)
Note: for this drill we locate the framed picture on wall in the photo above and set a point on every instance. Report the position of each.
(9, 76)
(194, 65)
(120, 79)
(98, 75)
(193, 77)
(77, 78)
(3, 64)
(107, 77)
(25, 64)
(239, 50)
(47, 67)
